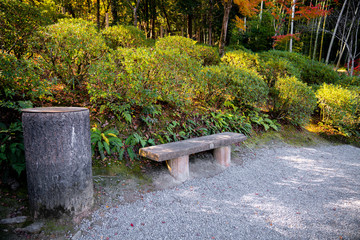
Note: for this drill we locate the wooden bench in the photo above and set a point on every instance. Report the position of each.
(177, 153)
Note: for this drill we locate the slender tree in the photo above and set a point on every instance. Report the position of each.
(224, 27)
(292, 25)
(134, 8)
(349, 38)
(98, 13)
(349, 32)
(210, 21)
(114, 11)
(334, 32)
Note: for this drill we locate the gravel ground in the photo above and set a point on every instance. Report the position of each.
(270, 193)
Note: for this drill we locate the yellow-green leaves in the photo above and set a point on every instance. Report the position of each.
(339, 106)
(293, 100)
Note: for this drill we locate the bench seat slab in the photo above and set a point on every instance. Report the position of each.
(223, 155)
(179, 167)
(186, 147)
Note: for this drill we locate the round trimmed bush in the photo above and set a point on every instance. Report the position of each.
(272, 67)
(241, 59)
(124, 36)
(311, 72)
(144, 77)
(206, 54)
(339, 106)
(242, 87)
(67, 49)
(293, 100)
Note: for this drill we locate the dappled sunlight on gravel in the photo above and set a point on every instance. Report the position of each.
(276, 193)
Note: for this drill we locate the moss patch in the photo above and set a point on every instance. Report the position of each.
(288, 134)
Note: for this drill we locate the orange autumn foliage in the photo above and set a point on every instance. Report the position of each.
(247, 7)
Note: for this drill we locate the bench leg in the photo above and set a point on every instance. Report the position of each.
(179, 167)
(223, 155)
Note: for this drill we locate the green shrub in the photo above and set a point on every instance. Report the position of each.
(272, 67)
(206, 54)
(144, 77)
(19, 83)
(348, 81)
(67, 50)
(339, 106)
(124, 36)
(294, 100)
(311, 72)
(12, 148)
(183, 44)
(19, 20)
(242, 87)
(241, 59)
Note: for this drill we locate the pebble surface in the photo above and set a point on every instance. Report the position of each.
(278, 193)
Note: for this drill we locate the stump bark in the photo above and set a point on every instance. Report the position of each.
(58, 161)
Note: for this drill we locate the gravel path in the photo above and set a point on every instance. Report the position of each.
(276, 193)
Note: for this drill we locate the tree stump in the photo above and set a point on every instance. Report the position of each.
(58, 161)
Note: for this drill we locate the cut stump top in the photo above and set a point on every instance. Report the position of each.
(53, 109)
(190, 146)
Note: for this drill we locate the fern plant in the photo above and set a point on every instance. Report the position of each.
(12, 147)
(106, 143)
(263, 120)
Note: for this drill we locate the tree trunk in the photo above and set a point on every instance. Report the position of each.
(353, 50)
(312, 23)
(153, 18)
(210, 20)
(322, 35)
(342, 39)
(114, 12)
(189, 25)
(334, 33)
(227, 8)
(168, 27)
(134, 9)
(316, 38)
(58, 161)
(261, 10)
(106, 20)
(348, 35)
(292, 24)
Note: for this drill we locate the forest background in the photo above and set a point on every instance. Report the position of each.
(157, 71)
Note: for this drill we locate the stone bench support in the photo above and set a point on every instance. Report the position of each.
(177, 153)
(223, 155)
(179, 167)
